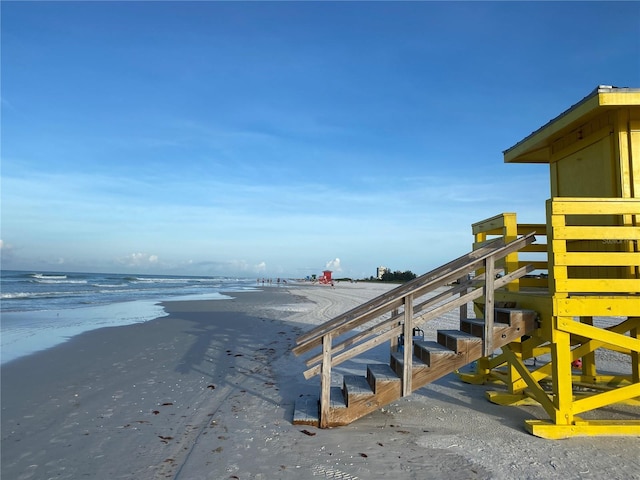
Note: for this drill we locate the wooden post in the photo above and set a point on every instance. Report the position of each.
(464, 314)
(407, 371)
(394, 340)
(325, 382)
(489, 294)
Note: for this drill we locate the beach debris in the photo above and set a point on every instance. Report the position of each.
(155, 412)
(164, 439)
(166, 404)
(307, 432)
(212, 387)
(364, 455)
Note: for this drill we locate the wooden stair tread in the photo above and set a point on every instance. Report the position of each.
(356, 385)
(459, 342)
(476, 327)
(306, 411)
(398, 357)
(512, 315)
(480, 321)
(381, 372)
(434, 348)
(432, 353)
(459, 335)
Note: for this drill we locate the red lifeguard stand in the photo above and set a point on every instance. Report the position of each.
(326, 277)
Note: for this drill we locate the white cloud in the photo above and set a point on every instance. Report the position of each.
(334, 265)
(235, 266)
(7, 252)
(138, 259)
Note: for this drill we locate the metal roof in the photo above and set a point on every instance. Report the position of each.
(603, 96)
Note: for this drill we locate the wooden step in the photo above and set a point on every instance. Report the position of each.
(383, 380)
(358, 399)
(424, 374)
(511, 316)
(306, 411)
(458, 341)
(397, 365)
(475, 327)
(502, 334)
(432, 353)
(420, 373)
(355, 388)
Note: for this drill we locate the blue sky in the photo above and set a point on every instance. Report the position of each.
(283, 138)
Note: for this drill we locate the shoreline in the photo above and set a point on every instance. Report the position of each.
(71, 322)
(207, 392)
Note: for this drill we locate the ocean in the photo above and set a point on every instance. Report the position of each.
(39, 310)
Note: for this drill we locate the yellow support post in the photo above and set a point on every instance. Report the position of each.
(635, 356)
(561, 374)
(589, 359)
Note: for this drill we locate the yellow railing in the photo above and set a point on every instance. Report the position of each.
(594, 246)
(506, 226)
(593, 262)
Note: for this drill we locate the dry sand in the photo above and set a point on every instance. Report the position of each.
(208, 392)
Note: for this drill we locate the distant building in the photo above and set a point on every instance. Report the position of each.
(380, 271)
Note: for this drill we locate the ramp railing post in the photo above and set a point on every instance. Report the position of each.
(325, 381)
(464, 313)
(394, 341)
(407, 371)
(489, 296)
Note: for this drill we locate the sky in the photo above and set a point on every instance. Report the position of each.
(280, 139)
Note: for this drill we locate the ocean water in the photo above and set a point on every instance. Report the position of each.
(39, 310)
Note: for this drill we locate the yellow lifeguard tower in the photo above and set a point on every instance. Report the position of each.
(574, 298)
(587, 293)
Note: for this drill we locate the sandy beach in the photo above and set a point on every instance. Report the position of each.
(208, 391)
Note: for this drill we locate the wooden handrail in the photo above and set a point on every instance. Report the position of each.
(394, 329)
(395, 317)
(383, 300)
(392, 301)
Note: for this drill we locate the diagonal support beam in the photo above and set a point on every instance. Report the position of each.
(535, 389)
(605, 336)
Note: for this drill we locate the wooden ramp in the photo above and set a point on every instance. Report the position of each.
(393, 316)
